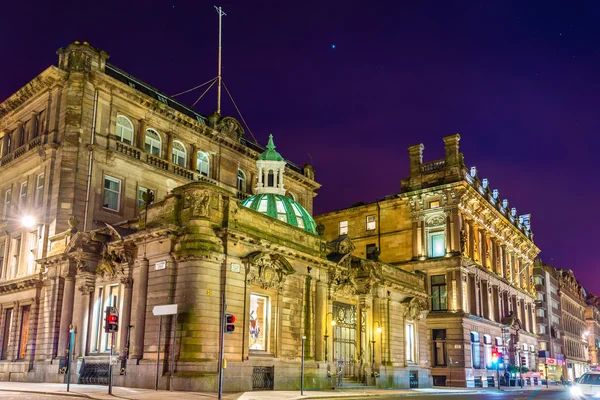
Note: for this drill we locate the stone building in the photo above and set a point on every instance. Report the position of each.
(476, 252)
(548, 320)
(86, 146)
(592, 320)
(573, 305)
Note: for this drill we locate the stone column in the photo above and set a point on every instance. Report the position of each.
(66, 315)
(503, 260)
(192, 157)
(5, 143)
(141, 135)
(19, 140)
(139, 311)
(307, 317)
(80, 317)
(125, 319)
(33, 126)
(460, 305)
(484, 250)
(455, 225)
(377, 323)
(169, 153)
(475, 243)
(532, 318)
(320, 311)
(423, 238)
(485, 312)
(415, 239)
(448, 233)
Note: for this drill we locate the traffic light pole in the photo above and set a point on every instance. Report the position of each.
(110, 364)
(158, 353)
(221, 345)
(498, 373)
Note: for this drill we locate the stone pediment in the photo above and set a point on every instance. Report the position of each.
(358, 276)
(414, 308)
(83, 242)
(267, 270)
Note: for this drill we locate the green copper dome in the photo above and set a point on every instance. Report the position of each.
(270, 154)
(283, 208)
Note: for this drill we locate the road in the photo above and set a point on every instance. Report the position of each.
(518, 395)
(33, 396)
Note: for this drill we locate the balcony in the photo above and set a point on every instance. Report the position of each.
(33, 143)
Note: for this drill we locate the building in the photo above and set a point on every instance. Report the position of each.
(116, 195)
(476, 252)
(573, 306)
(592, 320)
(548, 320)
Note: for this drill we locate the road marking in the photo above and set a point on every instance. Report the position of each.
(532, 395)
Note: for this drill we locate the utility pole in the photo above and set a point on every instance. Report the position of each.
(219, 78)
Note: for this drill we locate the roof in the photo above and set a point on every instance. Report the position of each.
(282, 208)
(270, 154)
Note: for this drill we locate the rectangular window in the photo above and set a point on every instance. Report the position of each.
(543, 345)
(542, 329)
(410, 343)
(2, 249)
(439, 347)
(371, 251)
(24, 332)
(343, 228)
(106, 296)
(6, 332)
(371, 223)
(437, 245)
(487, 347)
(7, 199)
(540, 312)
(112, 193)
(475, 350)
(23, 194)
(32, 244)
(434, 204)
(16, 256)
(39, 190)
(259, 312)
(439, 300)
(140, 196)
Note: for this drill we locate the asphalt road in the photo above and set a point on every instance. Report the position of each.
(33, 396)
(518, 395)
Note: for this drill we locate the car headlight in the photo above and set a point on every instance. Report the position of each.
(575, 391)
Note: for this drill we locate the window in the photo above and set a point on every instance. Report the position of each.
(371, 249)
(140, 196)
(7, 199)
(153, 143)
(410, 343)
(487, 347)
(241, 181)
(124, 129)
(202, 164)
(343, 228)
(371, 224)
(537, 280)
(540, 312)
(291, 195)
(434, 204)
(2, 250)
(258, 330)
(6, 332)
(439, 347)
(106, 296)
(23, 194)
(39, 190)
(24, 332)
(299, 219)
(543, 345)
(270, 179)
(281, 213)
(439, 300)
(112, 193)
(475, 350)
(16, 256)
(41, 125)
(437, 245)
(32, 244)
(179, 153)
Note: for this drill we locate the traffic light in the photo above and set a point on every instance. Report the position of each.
(111, 321)
(523, 361)
(495, 358)
(229, 323)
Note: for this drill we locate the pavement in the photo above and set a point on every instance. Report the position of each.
(101, 392)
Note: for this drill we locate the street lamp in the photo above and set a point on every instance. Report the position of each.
(28, 221)
(326, 336)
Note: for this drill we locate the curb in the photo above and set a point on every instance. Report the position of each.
(68, 394)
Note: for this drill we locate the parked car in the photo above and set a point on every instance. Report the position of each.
(586, 387)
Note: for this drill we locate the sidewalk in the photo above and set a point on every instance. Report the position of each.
(101, 392)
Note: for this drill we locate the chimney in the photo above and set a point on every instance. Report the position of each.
(451, 146)
(415, 154)
(81, 57)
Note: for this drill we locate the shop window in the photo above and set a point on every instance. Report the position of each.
(487, 349)
(410, 343)
(105, 296)
(259, 322)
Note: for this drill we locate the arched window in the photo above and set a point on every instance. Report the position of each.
(124, 129)
(271, 179)
(179, 153)
(202, 164)
(241, 181)
(153, 142)
(291, 195)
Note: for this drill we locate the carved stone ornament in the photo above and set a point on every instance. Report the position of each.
(231, 127)
(86, 290)
(436, 220)
(268, 271)
(414, 309)
(199, 202)
(464, 245)
(342, 282)
(110, 265)
(127, 282)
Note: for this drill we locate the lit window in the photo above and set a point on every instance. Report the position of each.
(202, 165)
(124, 129)
(112, 193)
(475, 350)
(299, 219)
(410, 343)
(343, 227)
(439, 300)
(179, 153)
(153, 142)
(258, 329)
(281, 213)
(542, 330)
(437, 245)
(32, 245)
(263, 205)
(2, 250)
(23, 194)
(487, 347)
(7, 199)
(371, 224)
(434, 204)
(39, 190)
(241, 181)
(24, 332)
(439, 347)
(6, 332)
(105, 296)
(16, 256)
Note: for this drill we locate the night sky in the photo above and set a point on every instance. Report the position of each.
(349, 85)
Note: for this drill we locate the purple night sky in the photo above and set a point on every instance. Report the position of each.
(353, 84)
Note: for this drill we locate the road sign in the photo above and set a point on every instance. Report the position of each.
(167, 309)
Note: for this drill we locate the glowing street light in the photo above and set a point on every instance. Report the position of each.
(28, 221)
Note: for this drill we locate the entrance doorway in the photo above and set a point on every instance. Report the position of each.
(344, 339)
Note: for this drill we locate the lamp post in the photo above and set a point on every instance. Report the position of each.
(326, 336)
(378, 329)
(302, 375)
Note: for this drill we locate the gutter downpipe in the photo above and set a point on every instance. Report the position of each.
(90, 162)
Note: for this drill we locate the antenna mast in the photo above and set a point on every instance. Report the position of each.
(219, 78)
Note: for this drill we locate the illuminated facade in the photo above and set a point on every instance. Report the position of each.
(476, 253)
(82, 145)
(592, 320)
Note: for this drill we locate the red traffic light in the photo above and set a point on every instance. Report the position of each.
(229, 326)
(230, 318)
(113, 319)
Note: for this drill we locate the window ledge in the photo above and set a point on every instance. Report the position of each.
(260, 354)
